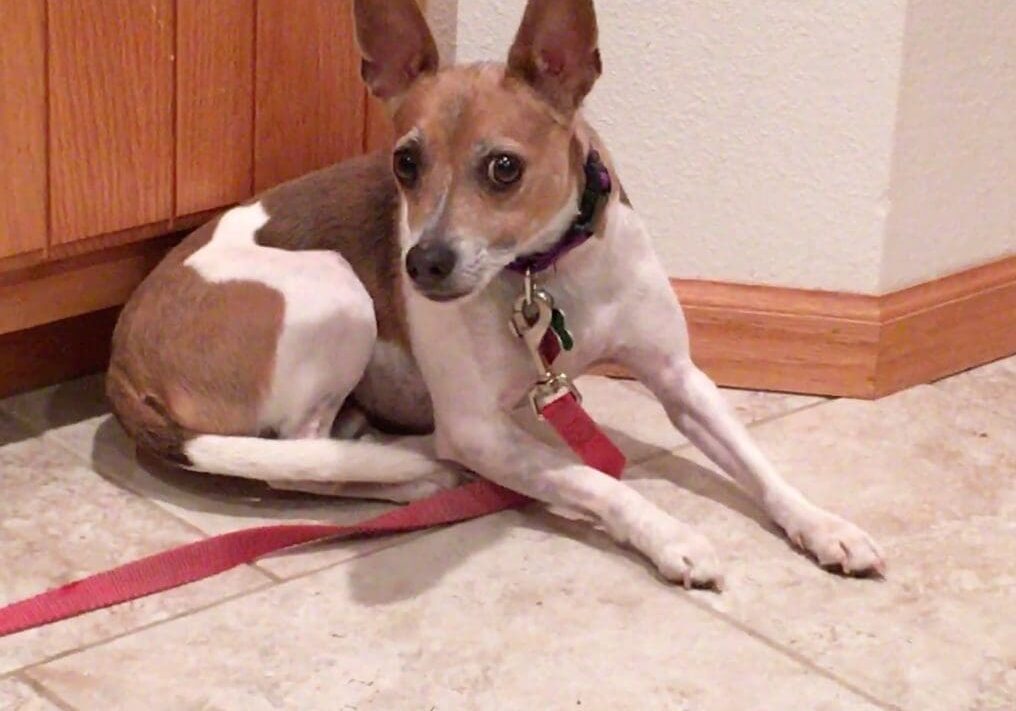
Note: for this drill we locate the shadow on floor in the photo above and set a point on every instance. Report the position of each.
(66, 404)
(114, 459)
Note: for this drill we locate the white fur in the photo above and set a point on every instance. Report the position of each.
(328, 328)
(309, 460)
(620, 305)
(326, 342)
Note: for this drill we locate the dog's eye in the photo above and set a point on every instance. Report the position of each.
(406, 164)
(504, 170)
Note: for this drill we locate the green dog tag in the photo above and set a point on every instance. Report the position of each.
(557, 323)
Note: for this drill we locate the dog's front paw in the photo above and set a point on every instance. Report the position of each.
(687, 557)
(836, 543)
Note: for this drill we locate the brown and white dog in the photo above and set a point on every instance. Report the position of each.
(377, 288)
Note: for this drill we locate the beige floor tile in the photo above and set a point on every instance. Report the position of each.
(629, 415)
(626, 410)
(17, 696)
(59, 406)
(933, 482)
(515, 611)
(754, 406)
(992, 386)
(60, 521)
(637, 423)
(75, 413)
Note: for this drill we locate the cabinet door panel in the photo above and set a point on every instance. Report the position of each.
(309, 99)
(111, 115)
(215, 103)
(22, 127)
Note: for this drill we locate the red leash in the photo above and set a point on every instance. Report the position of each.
(208, 557)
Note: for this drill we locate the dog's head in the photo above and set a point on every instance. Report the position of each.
(486, 156)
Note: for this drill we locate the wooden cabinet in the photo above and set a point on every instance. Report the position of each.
(305, 78)
(124, 121)
(215, 103)
(110, 90)
(22, 128)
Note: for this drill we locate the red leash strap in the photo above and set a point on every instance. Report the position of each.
(211, 556)
(574, 425)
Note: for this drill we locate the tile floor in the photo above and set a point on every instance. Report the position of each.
(522, 610)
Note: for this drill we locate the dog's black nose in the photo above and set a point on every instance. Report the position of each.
(430, 264)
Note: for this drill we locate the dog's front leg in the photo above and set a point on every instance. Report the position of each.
(656, 349)
(496, 448)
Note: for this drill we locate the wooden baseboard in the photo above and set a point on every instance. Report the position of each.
(773, 338)
(946, 326)
(59, 290)
(55, 352)
(846, 344)
(761, 337)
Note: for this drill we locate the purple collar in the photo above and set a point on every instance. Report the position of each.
(594, 196)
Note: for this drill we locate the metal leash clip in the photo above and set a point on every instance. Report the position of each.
(531, 320)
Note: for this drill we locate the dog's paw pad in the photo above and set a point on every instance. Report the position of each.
(838, 544)
(689, 559)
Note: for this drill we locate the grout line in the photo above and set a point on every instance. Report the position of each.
(660, 452)
(28, 668)
(274, 580)
(256, 565)
(771, 643)
(183, 614)
(397, 539)
(45, 692)
(780, 415)
(49, 436)
(788, 652)
(153, 505)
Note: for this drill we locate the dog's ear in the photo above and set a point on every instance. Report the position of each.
(396, 45)
(556, 51)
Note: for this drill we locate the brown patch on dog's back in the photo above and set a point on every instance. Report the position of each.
(350, 208)
(192, 356)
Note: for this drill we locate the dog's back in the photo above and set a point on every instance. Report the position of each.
(196, 356)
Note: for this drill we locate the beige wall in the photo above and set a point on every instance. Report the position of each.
(443, 17)
(834, 145)
(953, 191)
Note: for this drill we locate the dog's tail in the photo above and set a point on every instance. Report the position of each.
(308, 460)
(274, 461)
(145, 418)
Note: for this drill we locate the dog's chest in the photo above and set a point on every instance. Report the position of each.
(474, 363)
(470, 355)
